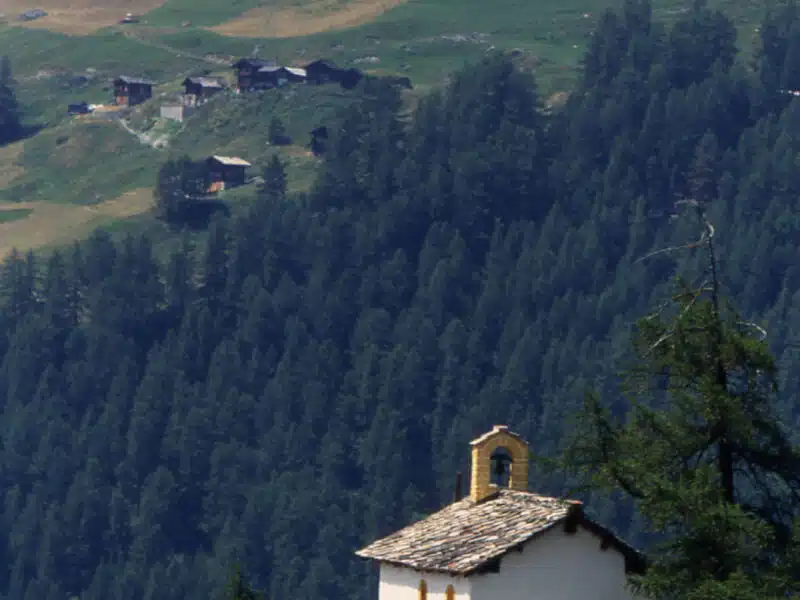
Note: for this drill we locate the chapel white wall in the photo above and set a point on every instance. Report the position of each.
(556, 566)
(397, 583)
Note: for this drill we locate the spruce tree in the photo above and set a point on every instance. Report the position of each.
(238, 589)
(277, 132)
(700, 451)
(274, 179)
(10, 120)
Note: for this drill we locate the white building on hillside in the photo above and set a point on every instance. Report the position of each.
(504, 542)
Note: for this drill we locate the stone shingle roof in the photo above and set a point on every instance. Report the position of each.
(134, 80)
(206, 82)
(465, 536)
(233, 161)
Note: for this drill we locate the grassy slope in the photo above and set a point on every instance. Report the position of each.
(415, 37)
(81, 163)
(239, 124)
(200, 12)
(426, 39)
(14, 214)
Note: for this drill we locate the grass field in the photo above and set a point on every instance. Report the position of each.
(9, 215)
(80, 163)
(200, 13)
(75, 16)
(43, 224)
(41, 55)
(239, 124)
(309, 18)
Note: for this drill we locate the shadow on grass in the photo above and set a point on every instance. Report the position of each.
(29, 130)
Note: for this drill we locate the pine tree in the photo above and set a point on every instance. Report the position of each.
(238, 589)
(274, 176)
(179, 183)
(10, 120)
(277, 132)
(701, 452)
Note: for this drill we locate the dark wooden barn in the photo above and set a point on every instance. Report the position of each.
(323, 71)
(295, 74)
(225, 172)
(278, 76)
(269, 76)
(199, 89)
(130, 91)
(247, 72)
(350, 78)
(80, 108)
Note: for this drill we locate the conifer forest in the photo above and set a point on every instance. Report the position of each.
(308, 379)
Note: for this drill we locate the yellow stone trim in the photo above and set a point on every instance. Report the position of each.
(482, 448)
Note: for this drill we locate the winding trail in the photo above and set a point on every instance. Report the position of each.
(172, 50)
(144, 138)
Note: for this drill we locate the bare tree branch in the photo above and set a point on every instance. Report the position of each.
(758, 328)
(686, 309)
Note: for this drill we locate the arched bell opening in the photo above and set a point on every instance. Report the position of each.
(502, 463)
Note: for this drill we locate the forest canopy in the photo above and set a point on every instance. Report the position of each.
(307, 378)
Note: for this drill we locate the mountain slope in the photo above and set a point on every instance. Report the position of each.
(309, 377)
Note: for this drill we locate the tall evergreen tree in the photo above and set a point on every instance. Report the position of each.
(180, 182)
(274, 179)
(238, 589)
(701, 451)
(10, 118)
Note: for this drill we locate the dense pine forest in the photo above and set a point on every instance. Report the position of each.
(309, 378)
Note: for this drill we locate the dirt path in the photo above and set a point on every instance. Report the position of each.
(154, 141)
(176, 51)
(61, 223)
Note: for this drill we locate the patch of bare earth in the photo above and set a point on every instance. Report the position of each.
(313, 17)
(75, 17)
(10, 168)
(50, 224)
(298, 151)
(557, 99)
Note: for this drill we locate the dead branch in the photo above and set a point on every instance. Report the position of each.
(758, 328)
(669, 333)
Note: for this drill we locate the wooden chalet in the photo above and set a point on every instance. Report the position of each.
(274, 76)
(247, 72)
(350, 78)
(225, 172)
(198, 90)
(323, 71)
(295, 74)
(80, 108)
(130, 91)
(270, 76)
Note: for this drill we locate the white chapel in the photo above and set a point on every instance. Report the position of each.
(503, 542)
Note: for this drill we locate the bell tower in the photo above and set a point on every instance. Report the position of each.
(499, 460)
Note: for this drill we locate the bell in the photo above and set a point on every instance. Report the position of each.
(501, 468)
